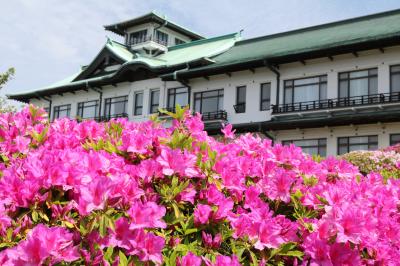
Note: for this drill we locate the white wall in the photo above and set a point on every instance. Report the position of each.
(252, 82)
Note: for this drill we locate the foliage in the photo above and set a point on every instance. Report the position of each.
(386, 162)
(124, 193)
(4, 78)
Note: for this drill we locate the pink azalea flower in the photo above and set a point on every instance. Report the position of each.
(189, 260)
(228, 132)
(202, 214)
(146, 215)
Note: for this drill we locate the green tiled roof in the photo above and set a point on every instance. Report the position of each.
(120, 27)
(372, 28)
(176, 56)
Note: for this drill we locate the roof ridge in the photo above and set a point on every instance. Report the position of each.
(321, 26)
(202, 41)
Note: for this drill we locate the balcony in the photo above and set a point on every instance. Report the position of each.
(240, 108)
(220, 115)
(144, 39)
(338, 103)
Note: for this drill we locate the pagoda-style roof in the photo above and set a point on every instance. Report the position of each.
(131, 66)
(120, 27)
(347, 36)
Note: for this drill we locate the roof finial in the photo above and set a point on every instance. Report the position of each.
(109, 41)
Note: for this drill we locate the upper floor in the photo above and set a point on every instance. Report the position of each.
(152, 33)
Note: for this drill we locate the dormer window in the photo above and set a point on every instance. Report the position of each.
(137, 37)
(161, 38)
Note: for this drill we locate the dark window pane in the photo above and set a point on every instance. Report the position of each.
(305, 89)
(343, 89)
(115, 106)
(138, 103)
(210, 101)
(288, 95)
(154, 101)
(349, 144)
(138, 37)
(88, 109)
(309, 146)
(241, 94)
(394, 139)
(395, 82)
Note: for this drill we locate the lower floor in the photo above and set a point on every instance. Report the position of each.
(338, 140)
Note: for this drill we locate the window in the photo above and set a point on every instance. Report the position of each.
(240, 106)
(178, 41)
(88, 109)
(138, 37)
(265, 96)
(115, 107)
(395, 78)
(394, 139)
(209, 101)
(162, 38)
(154, 101)
(348, 144)
(305, 89)
(138, 103)
(62, 111)
(177, 96)
(358, 83)
(309, 146)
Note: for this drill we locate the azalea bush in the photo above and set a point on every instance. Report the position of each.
(124, 193)
(386, 161)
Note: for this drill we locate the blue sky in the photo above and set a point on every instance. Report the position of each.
(48, 40)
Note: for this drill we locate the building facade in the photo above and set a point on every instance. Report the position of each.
(329, 89)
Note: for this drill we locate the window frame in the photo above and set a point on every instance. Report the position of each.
(109, 101)
(57, 110)
(81, 106)
(293, 86)
(319, 146)
(262, 99)
(151, 105)
(160, 40)
(142, 36)
(172, 91)
(391, 142)
(243, 102)
(220, 95)
(369, 143)
(369, 76)
(391, 73)
(135, 103)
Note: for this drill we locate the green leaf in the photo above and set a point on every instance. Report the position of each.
(190, 231)
(123, 261)
(35, 216)
(295, 253)
(253, 258)
(108, 254)
(103, 225)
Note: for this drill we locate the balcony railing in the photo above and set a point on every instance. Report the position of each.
(337, 103)
(240, 108)
(218, 115)
(143, 39)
